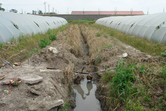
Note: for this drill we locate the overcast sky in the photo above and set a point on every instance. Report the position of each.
(66, 6)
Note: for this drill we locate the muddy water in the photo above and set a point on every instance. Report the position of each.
(85, 96)
(85, 91)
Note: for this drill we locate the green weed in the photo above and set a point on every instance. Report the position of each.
(1, 45)
(32, 52)
(122, 84)
(111, 33)
(52, 37)
(98, 60)
(66, 105)
(134, 106)
(107, 46)
(98, 34)
(44, 42)
(107, 76)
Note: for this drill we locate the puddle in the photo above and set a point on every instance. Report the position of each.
(85, 96)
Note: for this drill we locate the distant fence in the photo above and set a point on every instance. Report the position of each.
(82, 17)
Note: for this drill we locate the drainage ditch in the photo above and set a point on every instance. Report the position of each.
(85, 98)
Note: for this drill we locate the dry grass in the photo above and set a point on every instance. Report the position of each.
(73, 39)
(138, 43)
(95, 43)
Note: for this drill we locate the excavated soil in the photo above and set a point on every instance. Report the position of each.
(78, 47)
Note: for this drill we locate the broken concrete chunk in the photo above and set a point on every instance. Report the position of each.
(53, 104)
(31, 79)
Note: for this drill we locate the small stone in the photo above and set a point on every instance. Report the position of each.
(31, 79)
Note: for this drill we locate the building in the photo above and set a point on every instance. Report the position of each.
(107, 12)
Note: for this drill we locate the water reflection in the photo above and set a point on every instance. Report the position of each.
(85, 96)
(80, 91)
(89, 87)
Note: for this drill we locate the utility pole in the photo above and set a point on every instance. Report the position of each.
(115, 10)
(48, 8)
(98, 11)
(83, 11)
(163, 10)
(44, 6)
(131, 11)
(52, 9)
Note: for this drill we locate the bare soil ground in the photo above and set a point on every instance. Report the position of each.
(78, 46)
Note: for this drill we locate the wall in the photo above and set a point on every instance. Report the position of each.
(81, 17)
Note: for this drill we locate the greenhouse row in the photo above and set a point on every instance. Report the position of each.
(13, 25)
(151, 27)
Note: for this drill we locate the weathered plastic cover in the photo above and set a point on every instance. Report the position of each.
(151, 27)
(13, 25)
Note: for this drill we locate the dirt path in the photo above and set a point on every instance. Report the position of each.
(78, 48)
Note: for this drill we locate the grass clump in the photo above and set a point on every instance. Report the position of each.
(44, 42)
(111, 33)
(107, 76)
(52, 37)
(107, 46)
(134, 106)
(98, 34)
(33, 52)
(1, 45)
(66, 105)
(98, 60)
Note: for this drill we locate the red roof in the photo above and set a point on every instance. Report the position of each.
(110, 12)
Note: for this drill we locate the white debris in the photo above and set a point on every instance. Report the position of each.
(46, 70)
(124, 55)
(53, 50)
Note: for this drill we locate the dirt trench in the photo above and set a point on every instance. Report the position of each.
(79, 50)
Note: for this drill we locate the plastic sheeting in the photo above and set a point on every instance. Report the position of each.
(151, 27)
(13, 25)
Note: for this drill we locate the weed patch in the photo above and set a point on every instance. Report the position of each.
(1, 45)
(44, 42)
(52, 37)
(66, 105)
(134, 106)
(98, 60)
(122, 84)
(98, 34)
(32, 52)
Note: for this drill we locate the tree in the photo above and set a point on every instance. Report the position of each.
(13, 10)
(34, 12)
(2, 9)
(40, 12)
(0, 6)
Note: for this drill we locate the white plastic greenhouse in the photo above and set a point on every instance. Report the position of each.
(13, 25)
(151, 27)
